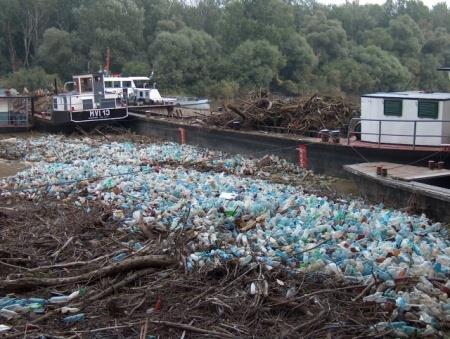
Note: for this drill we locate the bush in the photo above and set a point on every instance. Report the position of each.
(31, 79)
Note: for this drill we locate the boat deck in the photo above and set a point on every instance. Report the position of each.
(416, 189)
(400, 172)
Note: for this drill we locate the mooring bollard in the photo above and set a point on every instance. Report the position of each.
(324, 135)
(384, 172)
(379, 170)
(440, 164)
(182, 135)
(431, 165)
(335, 136)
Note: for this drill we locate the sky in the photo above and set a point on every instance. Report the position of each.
(429, 3)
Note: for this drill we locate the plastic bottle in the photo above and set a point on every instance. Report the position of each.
(71, 319)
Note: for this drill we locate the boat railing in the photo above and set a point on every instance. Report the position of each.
(356, 123)
(79, 105)
(18, 111)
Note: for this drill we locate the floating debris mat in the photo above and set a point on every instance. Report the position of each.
(212, 212)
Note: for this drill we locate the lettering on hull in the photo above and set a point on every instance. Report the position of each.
(99, 114)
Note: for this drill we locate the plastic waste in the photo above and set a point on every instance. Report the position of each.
(64, 299)
(71, 319)
(247, 219)
(4, 328)
(69, 310)
(8, 314)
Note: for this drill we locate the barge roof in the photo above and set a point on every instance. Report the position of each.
(411, 95)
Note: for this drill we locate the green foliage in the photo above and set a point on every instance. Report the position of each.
(378, 37)
(368, 69)
(221, 47)
(406, 35)
(31, 79)
(224, 89)
(255, 63)
(182, 59)
(114, 24)
(271, 20)
(327, 37)
(300, 58)
(136, 68)
(56, 53)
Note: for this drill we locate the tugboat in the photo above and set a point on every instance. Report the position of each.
(85, 105)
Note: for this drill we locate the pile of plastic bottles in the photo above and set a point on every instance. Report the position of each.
(249, 220)
(11, 307)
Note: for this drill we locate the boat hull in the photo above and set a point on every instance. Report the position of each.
(67, 121)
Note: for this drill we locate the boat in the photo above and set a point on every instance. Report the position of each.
(139, 91)
(86, 103)
(193, 103)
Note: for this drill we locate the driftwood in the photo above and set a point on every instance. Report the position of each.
(311, 113)
(157, 261)
(193, 329)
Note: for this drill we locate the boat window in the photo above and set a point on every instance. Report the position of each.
(86, 85)
(141, 83)
(116, 84)
(428, 109)
(108, 84)
(126, 83)
(393, 107)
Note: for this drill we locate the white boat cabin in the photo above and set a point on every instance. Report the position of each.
(134, 89)
(88, 93)
(124, 86)
(411, 117)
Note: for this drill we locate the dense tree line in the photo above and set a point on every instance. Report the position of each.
(221, 47)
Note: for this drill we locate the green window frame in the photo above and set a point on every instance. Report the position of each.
(428, 109)
(393, 107)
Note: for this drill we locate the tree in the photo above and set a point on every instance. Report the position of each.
(184, 60)
(205, 15)
(357, 19)
(368, 69)
(327, 37)
(438, 43)
(9, 20)
(406, 35)
(114, 24)
(429, 77)
(440, 16)
(34, 15)
(31, 79)
(56, 53)
(415, 9)
(270, 20)
(135, 68)
(379, 37)
(255, 63)
(300, 58)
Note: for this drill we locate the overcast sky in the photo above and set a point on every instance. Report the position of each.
(429, 3)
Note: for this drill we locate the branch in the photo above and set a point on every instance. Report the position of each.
(192, 329)
(158, 261)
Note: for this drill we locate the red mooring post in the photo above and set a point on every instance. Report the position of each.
(182, 135)
(302, 156)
